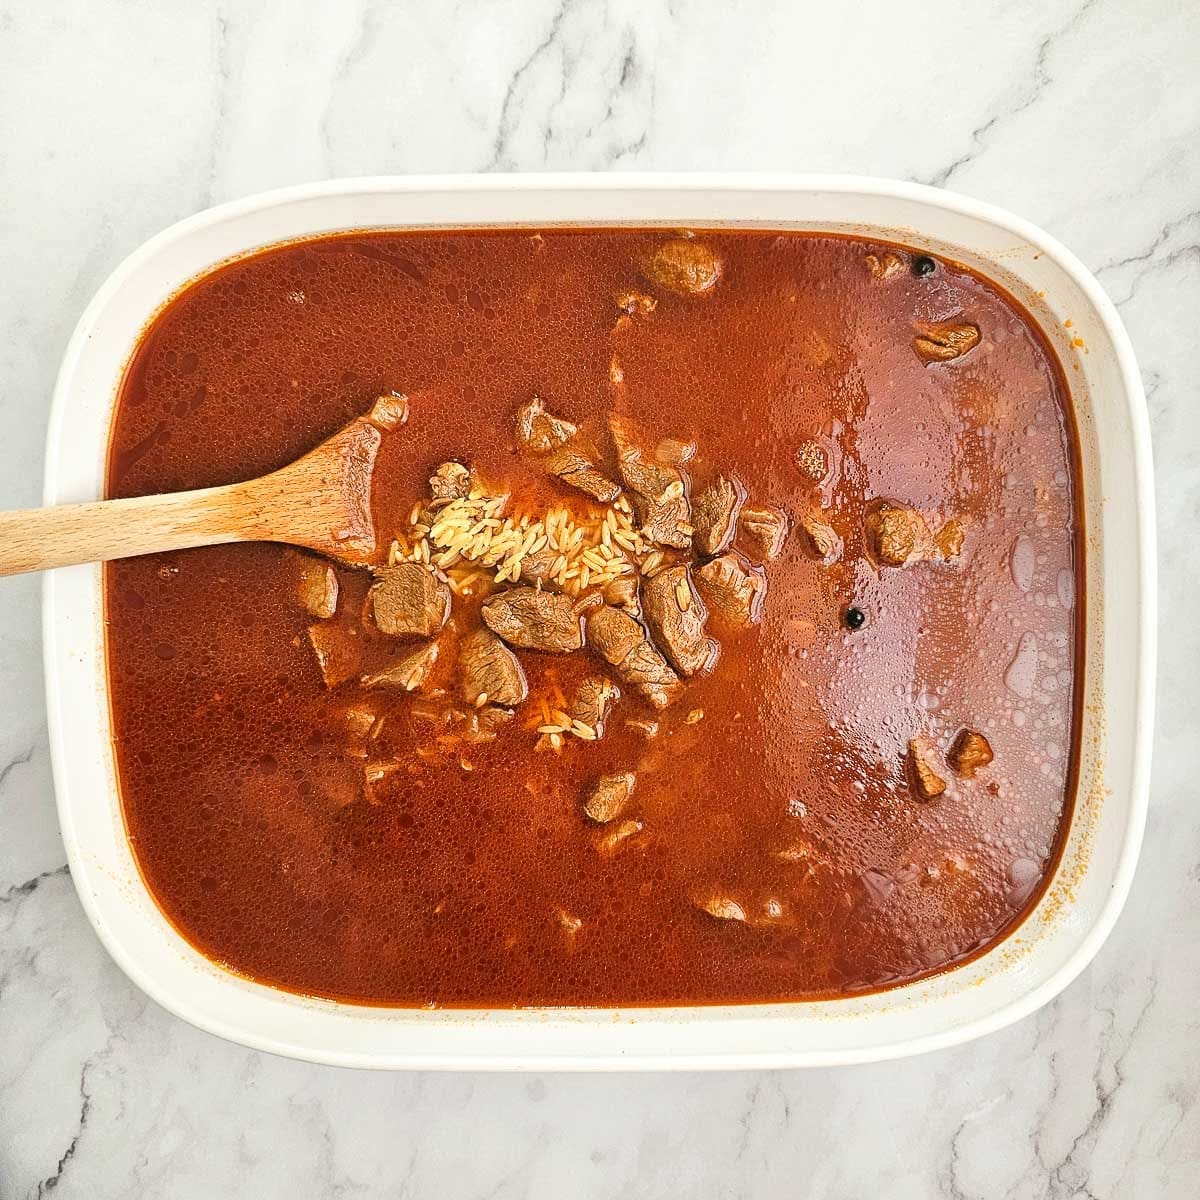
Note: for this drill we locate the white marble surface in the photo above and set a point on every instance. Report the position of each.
(119, 116)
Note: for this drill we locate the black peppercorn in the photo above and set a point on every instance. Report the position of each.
(923, 265)
(855, 618)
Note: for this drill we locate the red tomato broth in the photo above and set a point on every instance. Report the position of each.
(247, 817)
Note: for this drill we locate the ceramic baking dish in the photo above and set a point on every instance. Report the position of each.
(1046, 952)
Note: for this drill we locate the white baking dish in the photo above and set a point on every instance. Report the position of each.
(1042, 957)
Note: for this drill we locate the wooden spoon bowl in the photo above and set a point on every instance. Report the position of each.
(321, 501)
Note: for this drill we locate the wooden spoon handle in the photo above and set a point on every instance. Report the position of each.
(37, 539)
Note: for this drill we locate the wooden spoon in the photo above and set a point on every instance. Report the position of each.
(322, 501)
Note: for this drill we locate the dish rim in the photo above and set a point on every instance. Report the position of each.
(697, 184)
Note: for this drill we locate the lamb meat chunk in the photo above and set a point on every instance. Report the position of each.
(676, 616)
(949, 539)
(539, 564)
(733, 587)
(338, 650)
(623, 644)
(451, 481)
(408, 672)
(613, 634)
(622, 592)
(942, 341)
(667, 522)
(360, 720)
(636, 303)
(317, 587)
(660, 491)
(647, 671)
(764, 531)
(581, 472)
(820, 538)
(970, 752)
(897, 534)
(479, 726)
(489, 668)
(674, 452)
(609, 797)
(389, 412)
(612, 838)
(715, 516)
(648, 479)
(884, 266)
(685, 266)
(723, 907)
(922, 771)
(594, 698)
(409, 600)
(535, 620)
(539, 432)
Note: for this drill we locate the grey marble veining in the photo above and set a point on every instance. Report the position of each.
(118, 118)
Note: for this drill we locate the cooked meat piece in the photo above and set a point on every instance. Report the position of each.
(543, 434)
(648, 479)
(685, 266)
(733, 587)
(949, 539)
(479, 725)
(389, 412)
(377, 772)
(408, 672)
(338, 650)
(611, 838)
(897, 534)
(722, 907)
(317, 587)
(360, 720)
(764, 531)
(666, 522)
(613, 634)
(539, 432)
(594, 698)
(489, 668)
(451, 481)
(820, 538)
(539, 564)
(570, 926)
(676, 616)
(535, 620)
(921, 769)
(622, 643)
(608, 798)
(581, 472)
(636, 303)
(660, 499)
(647, 671)
(884, 266)
(622, 592)
(715, 515)
(941, 341)
(970, 752)
(674, 453)
(408, 600)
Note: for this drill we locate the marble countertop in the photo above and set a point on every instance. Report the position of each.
(117, 119)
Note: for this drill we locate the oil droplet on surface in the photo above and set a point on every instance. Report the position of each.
(1021, 562)
(1023, 874)
(1022, 671)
